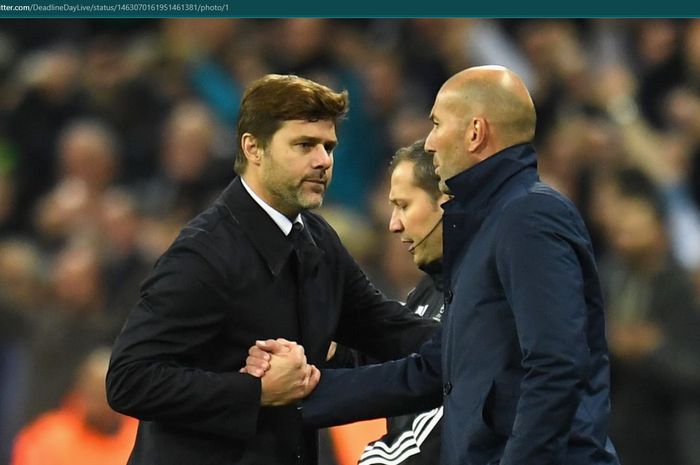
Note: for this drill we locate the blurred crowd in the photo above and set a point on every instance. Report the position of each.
(113, 133)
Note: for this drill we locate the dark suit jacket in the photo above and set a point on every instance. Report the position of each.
(524, 365)
(227, 280)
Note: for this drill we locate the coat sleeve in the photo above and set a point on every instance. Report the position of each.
(538, 254)
(412, 384)
(156, 370)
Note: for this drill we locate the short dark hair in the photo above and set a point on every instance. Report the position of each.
(273, 99)
(424, 175)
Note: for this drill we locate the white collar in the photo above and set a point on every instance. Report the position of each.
(280, 220)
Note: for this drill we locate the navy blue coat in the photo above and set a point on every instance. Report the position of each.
(521, 363)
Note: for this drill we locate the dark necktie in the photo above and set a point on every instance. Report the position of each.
(301, 243)
(306, 260)
(298, 238)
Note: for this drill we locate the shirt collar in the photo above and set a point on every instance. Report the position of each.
(280, 220)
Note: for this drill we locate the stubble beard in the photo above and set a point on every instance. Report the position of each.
(290, 196)
(308, 203)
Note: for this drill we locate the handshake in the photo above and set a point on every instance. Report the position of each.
(281, 366)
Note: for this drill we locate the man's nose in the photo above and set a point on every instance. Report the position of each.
(322, 158)
(428, 146)
(395, 224)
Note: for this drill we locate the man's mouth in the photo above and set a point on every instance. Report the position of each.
(316, 181)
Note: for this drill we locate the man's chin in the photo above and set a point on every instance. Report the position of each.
(311, 202)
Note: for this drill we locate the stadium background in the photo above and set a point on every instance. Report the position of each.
(113, 133)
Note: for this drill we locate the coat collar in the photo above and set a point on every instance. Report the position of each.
(267, 238)
(475, 191)
(475, 188)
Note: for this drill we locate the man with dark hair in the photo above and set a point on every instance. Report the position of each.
(255, 265)
(421, 162)
(417, 219)
(268, 103)
(521, 365)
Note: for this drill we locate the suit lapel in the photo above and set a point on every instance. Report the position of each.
(263, 233)
(312, 308)
(276, 249)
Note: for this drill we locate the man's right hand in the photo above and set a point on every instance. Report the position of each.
(286, 377)
(259, 355)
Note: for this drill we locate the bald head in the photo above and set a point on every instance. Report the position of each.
(477, 113)
(499, 96)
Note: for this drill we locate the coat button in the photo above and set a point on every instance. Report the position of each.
(447, 388)
(448, 297)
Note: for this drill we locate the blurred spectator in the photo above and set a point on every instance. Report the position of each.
(84, 430)
(67, 211)
(682, 110)
(375, 99)
(357, 236)
(653, 320)
(189, 176)
(657, 62)
(123, 262)
(48, 97)
(72, 323)
(119, 90)
(21, 273)
(87, 166)
(663, 156)
(202, 45)
(156, 234)
(88, 151)
(558, 62)
(21, 294)
(407, 124)
(8, 190)
(417, 41)
(298, 46)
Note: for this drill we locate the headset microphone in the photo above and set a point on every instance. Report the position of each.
(416, 244)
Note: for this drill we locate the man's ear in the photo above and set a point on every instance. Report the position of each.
(252, 149)
(476, 134)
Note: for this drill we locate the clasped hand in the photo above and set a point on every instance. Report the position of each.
(285, 375)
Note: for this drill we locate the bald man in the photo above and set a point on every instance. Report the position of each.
(521, 364)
